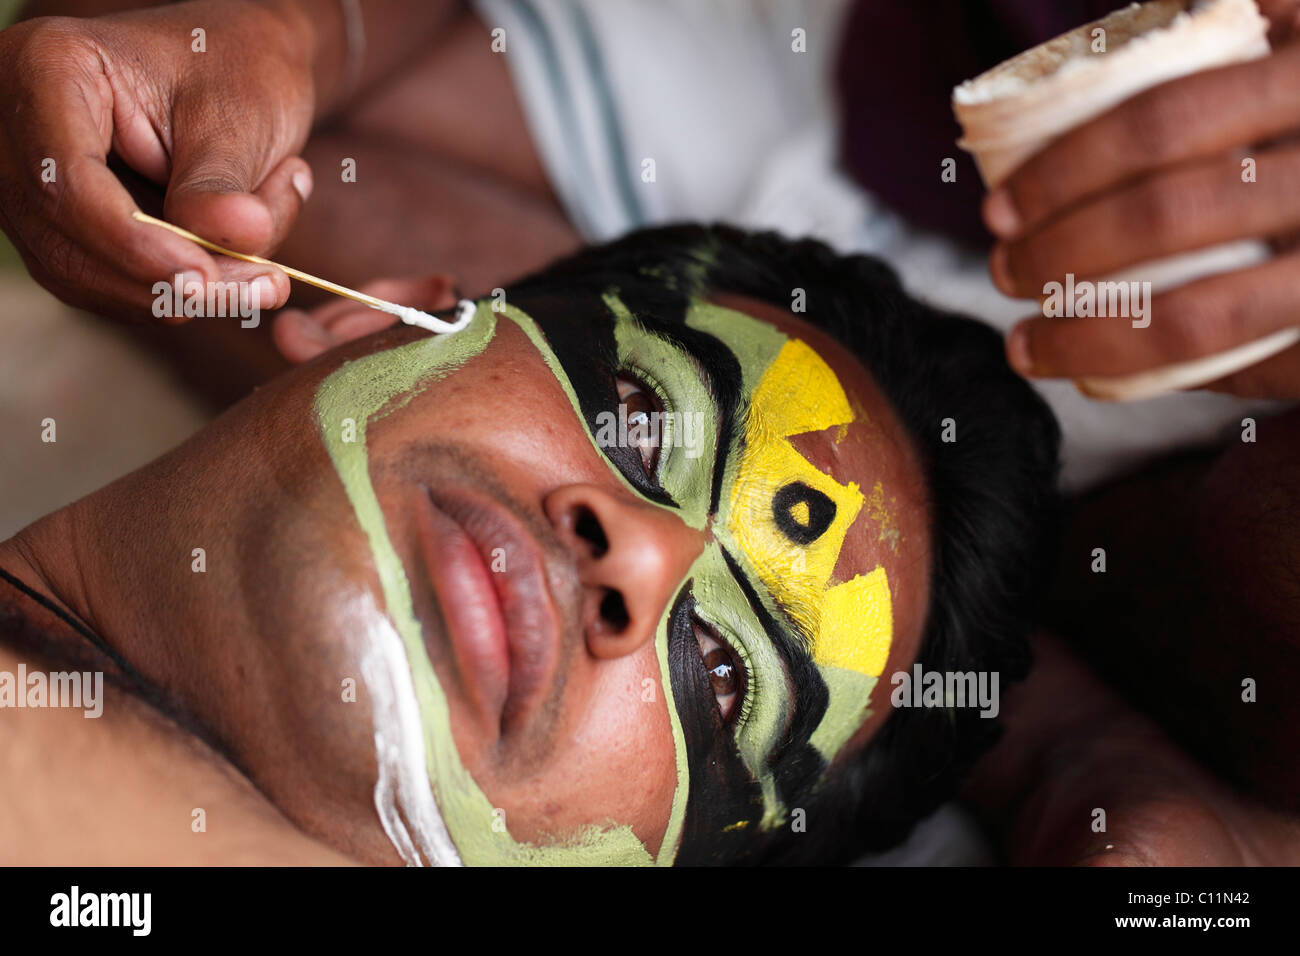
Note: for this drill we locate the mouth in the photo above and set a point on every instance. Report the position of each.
(502, 622)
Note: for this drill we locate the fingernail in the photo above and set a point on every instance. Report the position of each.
(1018, 351)
(304, 325)
(263, 292)
(1000, 214)
(999, 269)
(302, 183)
(317, 332)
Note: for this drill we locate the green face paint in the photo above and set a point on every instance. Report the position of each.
(685, 469)
(720, 603)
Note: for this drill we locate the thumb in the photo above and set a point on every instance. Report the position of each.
(213, 192)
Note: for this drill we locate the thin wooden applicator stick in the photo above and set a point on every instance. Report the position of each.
(404, 312)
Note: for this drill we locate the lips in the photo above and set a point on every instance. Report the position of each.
(489, 578)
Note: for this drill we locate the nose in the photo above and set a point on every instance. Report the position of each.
(632, 557)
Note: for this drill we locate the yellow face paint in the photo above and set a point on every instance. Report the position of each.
(882, 516)
(857, 625)
(797, 394)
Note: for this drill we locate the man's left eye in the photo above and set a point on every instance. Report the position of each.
(642, 410)
(726, 673)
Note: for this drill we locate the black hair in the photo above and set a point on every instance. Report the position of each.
(991, 496)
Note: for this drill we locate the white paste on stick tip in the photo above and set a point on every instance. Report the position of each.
(411, 316)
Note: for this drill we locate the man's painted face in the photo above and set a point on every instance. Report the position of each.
(781, 616)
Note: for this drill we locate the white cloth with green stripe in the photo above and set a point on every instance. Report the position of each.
(653, 111)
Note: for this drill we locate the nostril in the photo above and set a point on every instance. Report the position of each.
(587, 526)
(613, 611)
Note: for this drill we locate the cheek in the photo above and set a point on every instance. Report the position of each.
(506, 405)
(615, 759)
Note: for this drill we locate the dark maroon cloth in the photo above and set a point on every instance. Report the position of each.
(898, 63)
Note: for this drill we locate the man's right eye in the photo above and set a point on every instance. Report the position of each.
(642, 409)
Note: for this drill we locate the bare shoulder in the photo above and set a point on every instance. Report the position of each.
(1178, 585)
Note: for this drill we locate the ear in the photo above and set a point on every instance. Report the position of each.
(301, 336)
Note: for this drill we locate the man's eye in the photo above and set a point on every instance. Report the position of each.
(726, 672)
(642, 410)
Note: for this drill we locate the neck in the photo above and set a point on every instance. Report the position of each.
(75, 559)
(122, 560)
(246, 642)
(39, 557)
(83, 560)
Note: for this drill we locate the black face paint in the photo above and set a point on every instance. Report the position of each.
(726, 803)
(795, 763)
(722, 375)
(580, 330)
(820, 512)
